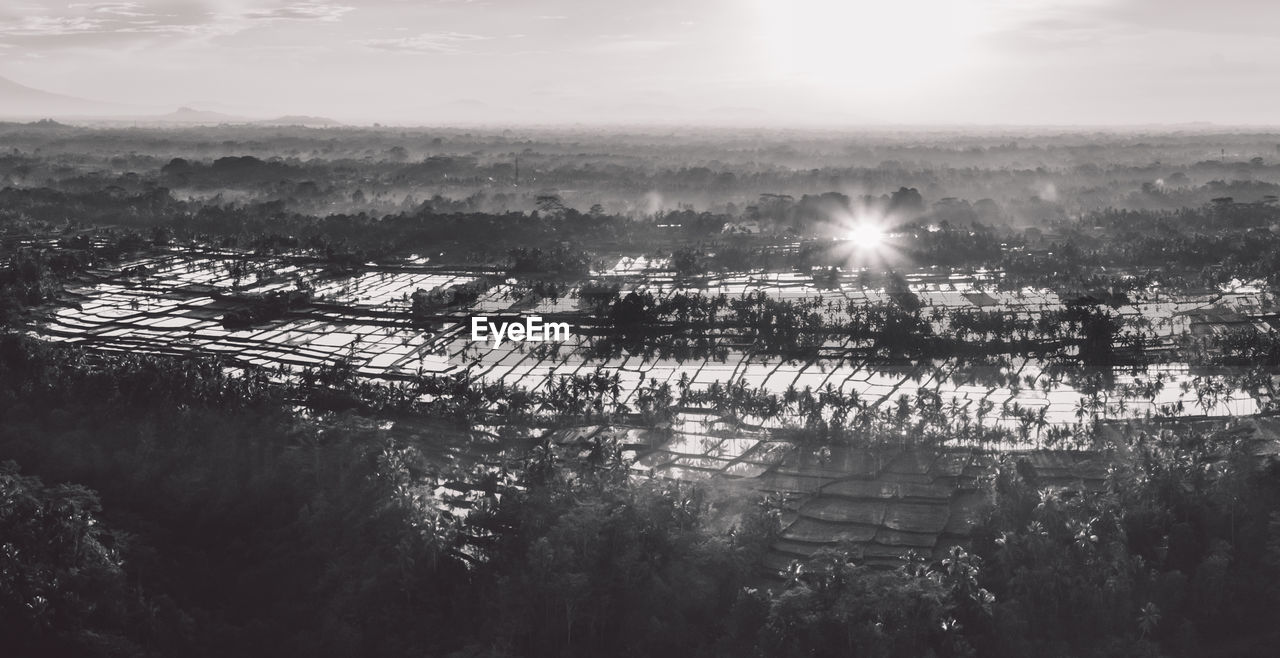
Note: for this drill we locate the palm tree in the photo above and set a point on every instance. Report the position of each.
(1041, 420)
(1082, 407)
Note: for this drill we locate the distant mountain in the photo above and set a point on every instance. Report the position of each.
(194, 116)
(300, 120)
(190, 115)
(19, 100)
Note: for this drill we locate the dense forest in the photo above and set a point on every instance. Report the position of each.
(223, 522)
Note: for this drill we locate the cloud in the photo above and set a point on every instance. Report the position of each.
(123, 9)
(132, 23)
(427, 42)
(50, 26)
(302, 11)
(84, 20)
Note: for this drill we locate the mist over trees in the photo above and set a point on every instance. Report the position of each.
(1019, 178)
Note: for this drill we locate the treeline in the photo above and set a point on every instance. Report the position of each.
(1190, 247)
(712, 170)
(33, 270)
(47, 209)
(1121, 250)
(896, 329)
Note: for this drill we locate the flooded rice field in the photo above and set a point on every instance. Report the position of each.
(179, 302)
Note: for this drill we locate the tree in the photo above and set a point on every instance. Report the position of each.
(833, 606)
(550, 204)
(906, 200)
(62, 586)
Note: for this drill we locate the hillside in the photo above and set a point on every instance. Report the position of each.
(19, 100)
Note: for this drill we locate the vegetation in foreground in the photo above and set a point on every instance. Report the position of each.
(223, 522)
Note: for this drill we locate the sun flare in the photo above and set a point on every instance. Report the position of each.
(866, 236)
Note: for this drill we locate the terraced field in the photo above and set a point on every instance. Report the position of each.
(882, 501)
(179, 303)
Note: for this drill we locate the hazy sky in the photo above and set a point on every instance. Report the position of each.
(746, 61)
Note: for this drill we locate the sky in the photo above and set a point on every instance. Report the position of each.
(758, 62)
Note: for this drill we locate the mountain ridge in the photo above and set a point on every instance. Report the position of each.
(17, 99)
(23, 102)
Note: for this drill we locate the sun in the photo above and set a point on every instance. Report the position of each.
(866, 236)
(863, 238)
